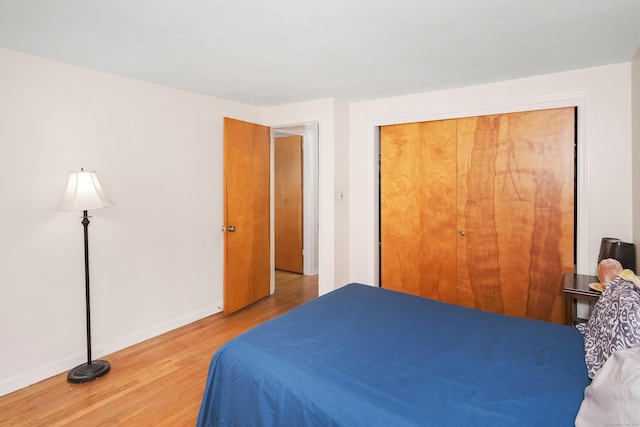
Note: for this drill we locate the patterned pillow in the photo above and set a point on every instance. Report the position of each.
(613, 325)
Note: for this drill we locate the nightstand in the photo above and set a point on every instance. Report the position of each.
(576, 287)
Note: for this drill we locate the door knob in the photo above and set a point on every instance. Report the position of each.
(230, 228)
(462, 233)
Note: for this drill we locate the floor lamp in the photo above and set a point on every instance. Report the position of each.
(85, 193)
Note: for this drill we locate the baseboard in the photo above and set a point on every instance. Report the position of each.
(140, 336)
(25, 379)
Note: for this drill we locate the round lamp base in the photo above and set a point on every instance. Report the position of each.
(88, 371)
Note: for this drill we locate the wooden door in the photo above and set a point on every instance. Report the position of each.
(481, 212)
(418, 205)
(246, 208)
(516, 208)
(288, 203)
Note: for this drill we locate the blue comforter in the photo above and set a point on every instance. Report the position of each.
(365, 356)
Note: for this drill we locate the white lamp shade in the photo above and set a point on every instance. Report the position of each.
(84, 192)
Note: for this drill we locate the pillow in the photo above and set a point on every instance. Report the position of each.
(613, 397)
(613, 325)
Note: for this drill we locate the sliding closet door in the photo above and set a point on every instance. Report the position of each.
(479, 211)
(418, 194)
(516, 211)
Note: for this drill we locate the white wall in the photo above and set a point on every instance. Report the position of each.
(342, 196)
(603, 97)
(635, 129)
(156, 256)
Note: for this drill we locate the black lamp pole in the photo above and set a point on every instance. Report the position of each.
(92, 369)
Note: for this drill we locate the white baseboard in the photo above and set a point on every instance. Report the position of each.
(25, 379)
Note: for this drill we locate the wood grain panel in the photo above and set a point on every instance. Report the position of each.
(288, 203)
(516, 207)
(247, 266)
(505, 223)
(418, 193)
(478, 249)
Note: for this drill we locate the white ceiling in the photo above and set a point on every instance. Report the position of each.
(281, 51)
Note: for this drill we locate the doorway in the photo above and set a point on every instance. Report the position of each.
(310, 217)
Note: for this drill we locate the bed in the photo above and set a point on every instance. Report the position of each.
(365, 356)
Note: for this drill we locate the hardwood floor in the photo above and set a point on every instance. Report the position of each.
(158, 382)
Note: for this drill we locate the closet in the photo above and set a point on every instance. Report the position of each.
(479, 211)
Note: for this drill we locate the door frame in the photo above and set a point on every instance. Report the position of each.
(310, 202)
(576, 99)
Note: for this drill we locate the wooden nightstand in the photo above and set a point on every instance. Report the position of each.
(576, 287)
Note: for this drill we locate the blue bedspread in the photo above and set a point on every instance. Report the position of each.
(364, 356)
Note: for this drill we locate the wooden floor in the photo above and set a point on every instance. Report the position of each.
(158, 382)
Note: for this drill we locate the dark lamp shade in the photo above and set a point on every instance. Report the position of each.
(614, 248)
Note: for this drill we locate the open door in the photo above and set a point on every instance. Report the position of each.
(246, 214)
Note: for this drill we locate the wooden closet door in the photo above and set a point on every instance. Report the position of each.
(417, 217)
(516, 210)
(479, 211)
